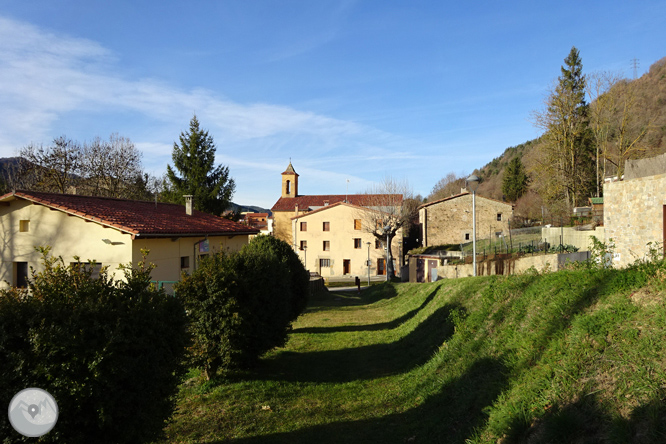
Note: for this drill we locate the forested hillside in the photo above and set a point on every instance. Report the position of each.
(625, 119)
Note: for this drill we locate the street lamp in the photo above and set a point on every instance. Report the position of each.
(473, 184)
(305, 258)
(368, 263)
(388, 258)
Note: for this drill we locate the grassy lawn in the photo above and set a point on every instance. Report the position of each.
(575, 356)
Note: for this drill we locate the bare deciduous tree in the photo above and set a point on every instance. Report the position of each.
(100, 168)
(603, 105)
(111, 168)
(54, 168)
(392, 209)
(447, 186)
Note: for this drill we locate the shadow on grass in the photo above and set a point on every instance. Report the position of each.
(371, 327)
(586, 420)
(367, 362)
(331, 298)
(450, 416)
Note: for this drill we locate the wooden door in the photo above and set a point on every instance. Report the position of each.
(346, 266)
(381, 267)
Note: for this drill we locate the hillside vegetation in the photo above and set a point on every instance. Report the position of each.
(639, 105)
(572, 356)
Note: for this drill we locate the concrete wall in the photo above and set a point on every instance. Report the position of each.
(341, 238)
(540, 262)
(634, 216)
(571, 236)
(450, 221)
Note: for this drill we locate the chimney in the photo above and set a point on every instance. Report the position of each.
(188, 204)
(296, 210)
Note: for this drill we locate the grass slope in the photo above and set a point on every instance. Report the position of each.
(574, 356)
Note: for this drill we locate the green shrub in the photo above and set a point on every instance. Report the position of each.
(110, 352)
(241, 305)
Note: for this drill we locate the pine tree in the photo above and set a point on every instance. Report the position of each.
(194, 159)
(514, 183)
(567, 162)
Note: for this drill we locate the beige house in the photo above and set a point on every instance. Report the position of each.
(333, 241)
(635, 213)
(109, 231)
(291, 204)
(449, 220)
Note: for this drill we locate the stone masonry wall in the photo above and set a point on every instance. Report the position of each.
(449, 221)
(633, 216)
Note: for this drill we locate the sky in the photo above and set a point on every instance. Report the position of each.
(349, 91)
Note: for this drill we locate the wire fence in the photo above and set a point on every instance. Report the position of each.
(524, 241)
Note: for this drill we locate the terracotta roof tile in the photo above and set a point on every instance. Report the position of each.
(139, 218)
(315, 201)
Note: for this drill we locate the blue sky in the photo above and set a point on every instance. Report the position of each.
(349, 90)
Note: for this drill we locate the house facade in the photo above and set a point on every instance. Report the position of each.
(334, 241)
(292, 204)
(449, 220)
(109, 231)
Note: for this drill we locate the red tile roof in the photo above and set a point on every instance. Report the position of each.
(138, 218)
(361, 200)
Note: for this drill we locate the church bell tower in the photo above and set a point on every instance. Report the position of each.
(289, 182)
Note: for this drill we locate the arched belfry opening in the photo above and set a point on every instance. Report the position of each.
(289, 182)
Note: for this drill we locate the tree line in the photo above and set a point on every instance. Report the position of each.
(113, 168)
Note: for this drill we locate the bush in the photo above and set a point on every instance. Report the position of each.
(241, 305)
(109, 352)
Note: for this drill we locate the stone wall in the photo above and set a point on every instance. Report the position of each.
(508, 266)
(449, 221)
(634, 216)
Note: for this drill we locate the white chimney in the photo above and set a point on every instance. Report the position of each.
(188, 204)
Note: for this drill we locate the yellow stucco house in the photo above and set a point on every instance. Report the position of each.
(342, 255)
(333, 242)
(109, 231)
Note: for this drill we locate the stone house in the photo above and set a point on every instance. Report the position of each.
(333, 241)
(449, 220)
(635, 212)
(109, 231)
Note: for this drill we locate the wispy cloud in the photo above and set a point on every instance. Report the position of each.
(47, 78)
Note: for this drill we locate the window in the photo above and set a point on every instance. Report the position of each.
(304, 226)
(24, 226)
(378, 244)
(327, 246)
(324, 263)
(184, 262)
(304, 245)
(499, 217)
(357, 243)
(327, 226)
(466, 236)
(357, 224)
(288, 187)
(96, 268)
